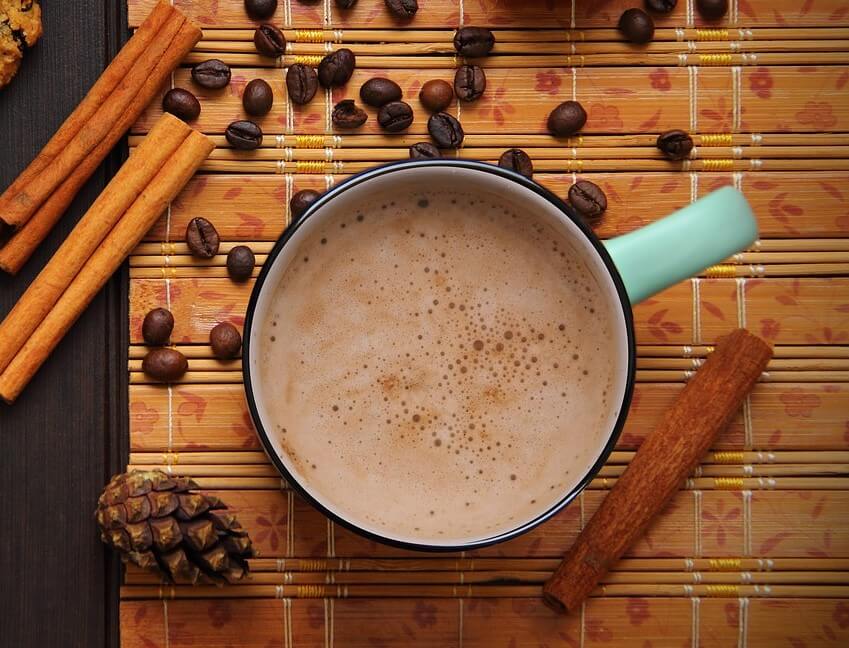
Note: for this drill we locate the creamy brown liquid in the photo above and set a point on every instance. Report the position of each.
(437, 366)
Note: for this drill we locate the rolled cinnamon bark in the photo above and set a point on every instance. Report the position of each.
(669, 454)
(99, 93)
(155, 150)
(126, 234)
(23, 243)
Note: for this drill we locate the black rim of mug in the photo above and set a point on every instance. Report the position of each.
(627, 316)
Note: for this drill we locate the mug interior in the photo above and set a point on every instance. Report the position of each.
(471, 178)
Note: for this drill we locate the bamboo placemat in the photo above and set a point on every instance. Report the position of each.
(754, 551)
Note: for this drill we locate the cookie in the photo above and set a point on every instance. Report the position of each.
(20, 28)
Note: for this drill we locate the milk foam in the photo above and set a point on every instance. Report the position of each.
(436, 366)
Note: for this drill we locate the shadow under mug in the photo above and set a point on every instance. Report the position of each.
(629, 268)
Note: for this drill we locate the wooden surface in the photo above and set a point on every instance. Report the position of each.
(67, 433)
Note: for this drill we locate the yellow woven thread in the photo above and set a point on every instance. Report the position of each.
(722, 590)
(309, 166)
(309, 141)
(169, 249)
(711, 34)
(168, 273)
(309, 36)
(728, 457)
(725, 563)
(310, 591)
(709, 350)
(308, 59)
(721, 271)
(715, 59)
(717, 165)
(724, 139)
(728, 483)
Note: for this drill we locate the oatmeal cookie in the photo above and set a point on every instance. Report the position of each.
(20, 28)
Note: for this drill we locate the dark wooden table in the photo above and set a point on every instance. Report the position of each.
(68, 432)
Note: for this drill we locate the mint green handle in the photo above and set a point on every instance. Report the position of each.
(683, 244)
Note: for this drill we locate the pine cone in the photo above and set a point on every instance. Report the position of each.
(156, 522)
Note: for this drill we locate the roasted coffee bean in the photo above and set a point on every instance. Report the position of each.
(347, 114)
(424, 151)
(712, 9)
(301, 83)
(260, 9)
(181, 103)
(473, 41)
(469, 82)
(335, 69)
(445, 130)
(436, 95)
(395, 116)
(588, 199)
(379, 91)
(517, 160)
(212, 74)
(202, 238)
(675, 144)
(240, 262)
(165, 365)
(345, 4)
(637, 26)
(402, 9)
(244, 135)
(302, 201)
(661, 6)
(269, 41)
(157, 326)
(567, 119)
(225, 340)
(257, 98)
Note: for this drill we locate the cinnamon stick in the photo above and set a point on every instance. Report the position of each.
(23, 243)
(126, 234)
(704, 408)
(155, 150)
(96, 96)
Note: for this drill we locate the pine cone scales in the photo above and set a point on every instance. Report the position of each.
(156, 522)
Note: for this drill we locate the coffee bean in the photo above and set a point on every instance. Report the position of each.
(436, 95)
(269, 41)
(588, 199)
(473, 41)
(347, 114)
(202, 238)
(637, 26)
(212, 74)
(567, 119)
(157, 326)
(675, 144)
(661, 6)
(302, 201)
(379, 91)
(335, 69)
(301, 83)
(395, 116)
(225, 340)
(345, 4)
(469, 82)
(402, 9)
(257, 98)
(517, 160)
(240, 262)
(244, 135)
(445, 130)
(165, 365)
(424, 151)
(181, 103)
(712, 9)
(260, 9)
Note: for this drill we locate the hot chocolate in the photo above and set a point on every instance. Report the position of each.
(438, 365)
